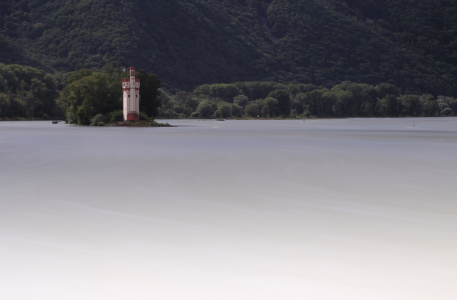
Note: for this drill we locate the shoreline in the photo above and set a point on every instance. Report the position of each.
(138, 124)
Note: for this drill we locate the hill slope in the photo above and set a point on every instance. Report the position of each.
(412, 44)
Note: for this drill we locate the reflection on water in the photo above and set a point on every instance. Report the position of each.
(325, 209)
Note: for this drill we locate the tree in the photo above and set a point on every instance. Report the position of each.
(205, 109)
(412, 105)
(430, 106)
(270, 107)
(149, 93)
(92, 95)
(225, 110)
(241, 100)
(283, 101)
(252, 109)
(384, 89)
(390, 106)
(237, 111)
(312, 100)
(224, 91)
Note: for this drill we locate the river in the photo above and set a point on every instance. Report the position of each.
(324, 209)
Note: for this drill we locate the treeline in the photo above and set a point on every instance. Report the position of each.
(275, 100)
(86, 97)
(26, 92)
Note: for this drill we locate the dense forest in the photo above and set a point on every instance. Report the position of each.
(411, 44)
(28, 93)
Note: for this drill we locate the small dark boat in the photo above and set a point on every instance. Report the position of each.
(55, 121)
(220, 119)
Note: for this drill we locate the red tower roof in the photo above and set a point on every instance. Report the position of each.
(132, 68)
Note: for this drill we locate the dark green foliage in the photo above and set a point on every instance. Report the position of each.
(411, 44)
(283, 98)
(390, 106)
(241, 100)
(225, 110)
(12, 53)
(116, 116)
(89, 94)
(149, 93)
(258, 90)
(447, 106)
(385, 89)
(98, 120)
(347, 99)
(270, 107)
(252, 109)
(205, 109)
(143, 116)
(411, 105)
(430, 106)
(237, 111)
(27, 92)
(225, 92)
(195, 115)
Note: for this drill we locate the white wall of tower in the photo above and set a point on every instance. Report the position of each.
(131, 95)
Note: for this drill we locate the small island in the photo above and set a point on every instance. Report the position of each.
(138, 124)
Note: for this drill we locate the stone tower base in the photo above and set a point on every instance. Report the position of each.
(133, 117)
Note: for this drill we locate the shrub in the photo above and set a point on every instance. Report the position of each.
(182, 116)
(117, 116)
(97, 119)
(101, 124)
(46, 117)
(143, 116)
(195, 115)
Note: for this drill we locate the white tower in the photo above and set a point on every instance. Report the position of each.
(131, 90)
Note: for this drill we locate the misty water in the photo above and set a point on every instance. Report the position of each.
(325, 209)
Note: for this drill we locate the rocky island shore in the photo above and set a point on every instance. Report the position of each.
(139, 124)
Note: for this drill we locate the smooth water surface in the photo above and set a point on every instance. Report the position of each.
(325, 209)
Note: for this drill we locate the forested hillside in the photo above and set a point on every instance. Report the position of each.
(28, 92)
(411, 44)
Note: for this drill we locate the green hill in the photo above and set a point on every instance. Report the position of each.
(409, 43)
